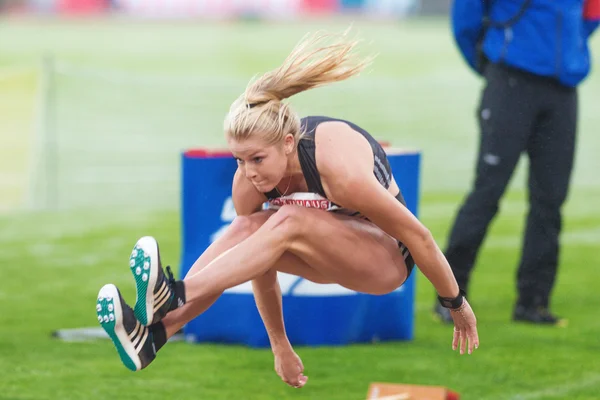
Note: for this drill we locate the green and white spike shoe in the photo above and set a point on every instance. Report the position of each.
(133, 340)
(154, 291)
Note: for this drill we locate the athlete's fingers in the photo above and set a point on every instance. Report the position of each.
(463, 341)
(455, 337)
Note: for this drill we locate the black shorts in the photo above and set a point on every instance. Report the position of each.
(408, 260)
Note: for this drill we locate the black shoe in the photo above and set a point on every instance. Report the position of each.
(156, 294)
(442, 314)
(134, 341)
(537, 315)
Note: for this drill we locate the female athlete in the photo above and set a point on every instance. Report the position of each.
(334, 215)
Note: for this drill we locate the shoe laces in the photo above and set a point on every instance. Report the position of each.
(171, 277)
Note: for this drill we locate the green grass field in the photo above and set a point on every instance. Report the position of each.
(130, 96)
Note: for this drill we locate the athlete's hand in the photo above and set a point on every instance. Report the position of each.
(465, 328)
(289, 367)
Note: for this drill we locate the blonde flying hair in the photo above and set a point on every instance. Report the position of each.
(319, 59)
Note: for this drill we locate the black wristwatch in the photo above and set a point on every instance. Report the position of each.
(453, 303)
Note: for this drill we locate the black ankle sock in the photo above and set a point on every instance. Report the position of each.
(159, 334)
(178, 295)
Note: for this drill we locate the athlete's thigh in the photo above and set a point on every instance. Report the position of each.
(350, 251)
(240, 229)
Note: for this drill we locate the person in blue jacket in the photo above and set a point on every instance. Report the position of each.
(532, 54)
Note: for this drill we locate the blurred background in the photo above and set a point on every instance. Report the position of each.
(99, 98)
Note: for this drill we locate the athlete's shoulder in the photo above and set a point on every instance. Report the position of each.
(338, 146)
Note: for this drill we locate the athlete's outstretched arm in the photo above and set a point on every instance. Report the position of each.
(267, 293)
(346, 165)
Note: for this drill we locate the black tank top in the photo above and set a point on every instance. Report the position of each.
(306, 156)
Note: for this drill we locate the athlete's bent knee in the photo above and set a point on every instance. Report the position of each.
(246, 225)
(289, 220)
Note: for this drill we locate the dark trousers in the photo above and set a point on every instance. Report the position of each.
(519, 113)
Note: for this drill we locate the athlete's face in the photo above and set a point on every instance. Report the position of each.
(264, 165)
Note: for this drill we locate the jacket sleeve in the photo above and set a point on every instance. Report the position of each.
(467, 23)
